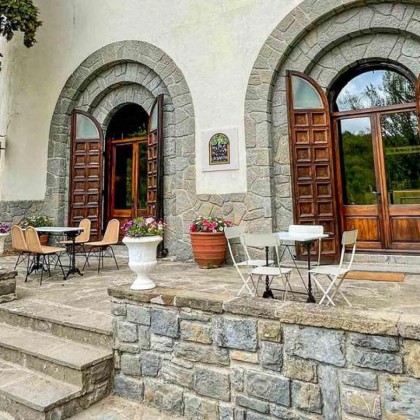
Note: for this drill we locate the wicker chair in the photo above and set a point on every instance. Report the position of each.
(103, 249)
(41, 254)
(19, 244)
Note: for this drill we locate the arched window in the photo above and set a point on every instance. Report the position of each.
(371, 88)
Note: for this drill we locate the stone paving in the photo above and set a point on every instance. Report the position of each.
(84, 300)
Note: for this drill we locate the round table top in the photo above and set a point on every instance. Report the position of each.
(58, 229)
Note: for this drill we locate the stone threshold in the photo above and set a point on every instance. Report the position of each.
(348, 319)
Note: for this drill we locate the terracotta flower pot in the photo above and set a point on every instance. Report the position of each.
(209, 249)
(43, 239)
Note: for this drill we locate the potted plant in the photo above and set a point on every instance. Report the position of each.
(37, 221)
(208, 241)
(142, 236)
(4, 232)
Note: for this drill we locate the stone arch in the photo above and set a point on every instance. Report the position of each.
(129, 71)
(310, 36)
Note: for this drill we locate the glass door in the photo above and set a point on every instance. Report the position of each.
(127, 184)
(360, 198)
(399, 141)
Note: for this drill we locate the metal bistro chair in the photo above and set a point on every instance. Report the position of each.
(268, 241)
(19, 244)
(41, 254)
(103, 249)
(236, 233)
(81, 239)
(336, 273)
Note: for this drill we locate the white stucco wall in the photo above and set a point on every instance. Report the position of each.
(214, 43)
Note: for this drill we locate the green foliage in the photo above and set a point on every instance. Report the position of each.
(19, 16)
(35, 221)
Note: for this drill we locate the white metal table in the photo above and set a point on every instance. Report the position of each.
(71, 233)
(307, 240)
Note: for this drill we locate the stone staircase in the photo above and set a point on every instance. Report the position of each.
(50, 369)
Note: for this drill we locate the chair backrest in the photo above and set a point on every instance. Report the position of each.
(263, 240)
(85, 235)
(18, 239)
(317, 229)
(112, 232)
(233, 232)
(32, 240)
(349, 238)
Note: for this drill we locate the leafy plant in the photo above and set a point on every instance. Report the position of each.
(35, 221)
(19, 15)
(209, 224)
(141, 226)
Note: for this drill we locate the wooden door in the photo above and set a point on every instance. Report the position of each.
(311, 154)
(155, 160)
(86, 172)
(379, 173)
(360, 179)
(127, 184)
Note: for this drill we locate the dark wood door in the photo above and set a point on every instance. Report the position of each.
(86, 172)
(155, 160)
(127, 183)
(311, 155)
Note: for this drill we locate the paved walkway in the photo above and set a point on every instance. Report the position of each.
(84, 300)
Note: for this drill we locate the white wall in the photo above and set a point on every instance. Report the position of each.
(213, 42)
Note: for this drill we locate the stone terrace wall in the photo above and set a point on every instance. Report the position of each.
(203, 357)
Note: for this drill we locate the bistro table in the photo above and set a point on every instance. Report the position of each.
(71, 233)
(307, 240)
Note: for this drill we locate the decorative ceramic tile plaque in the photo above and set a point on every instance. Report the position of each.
(220, 149)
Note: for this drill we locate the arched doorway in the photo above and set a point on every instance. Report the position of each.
(376, 132)
(356, 159)
(126, 164)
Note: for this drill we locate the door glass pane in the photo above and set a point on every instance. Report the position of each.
(304, 94)
(401, 146)
(359, 181)
(154, 118)
(123, 181)
(375, 88)
(142, 181)
(85, 128)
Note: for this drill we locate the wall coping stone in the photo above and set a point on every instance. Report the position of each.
(364, 321)
(7, 274)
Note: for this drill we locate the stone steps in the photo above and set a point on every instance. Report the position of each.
(60, 321)
(61, 359)
(44, 375)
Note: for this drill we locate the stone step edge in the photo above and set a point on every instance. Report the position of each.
(26, 402)
(57, 322)
(53, 359)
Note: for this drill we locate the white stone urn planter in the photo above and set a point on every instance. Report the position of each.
(3, 237)
(142, 259)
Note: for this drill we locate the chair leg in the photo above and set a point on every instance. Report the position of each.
(327, 291)
(338, 290)
(87, 256)
(48, 265)
(100, 252)
(28, 267)
(42, 269)
(113, 255)
(18, 259)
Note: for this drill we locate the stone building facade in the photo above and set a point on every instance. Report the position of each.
(321, 39)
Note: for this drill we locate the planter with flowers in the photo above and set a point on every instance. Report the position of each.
(142, 236)
(4, 233)
(208, 241)
(35, 222)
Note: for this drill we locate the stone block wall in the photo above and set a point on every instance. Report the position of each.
(205, 357)
(7, 285)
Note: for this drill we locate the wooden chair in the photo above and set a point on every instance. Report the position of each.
(336, 273)
(41, 254)
(19, 244)
(103, 249)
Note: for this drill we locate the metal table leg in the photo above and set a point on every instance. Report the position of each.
(268, 293)
(308, 246)
(72, 267)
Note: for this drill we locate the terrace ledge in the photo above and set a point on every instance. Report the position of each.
(348, 319)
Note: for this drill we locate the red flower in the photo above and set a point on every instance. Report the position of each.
(193, 228)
